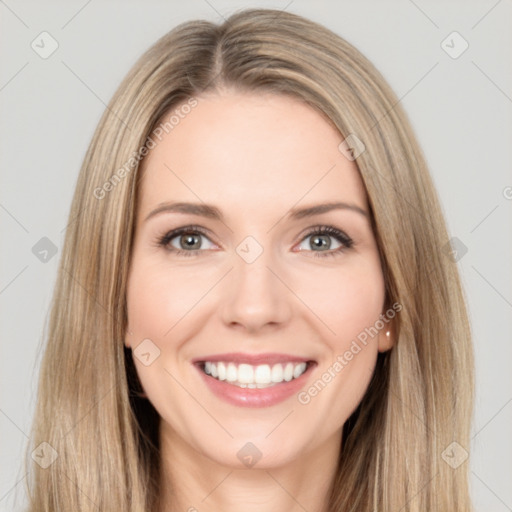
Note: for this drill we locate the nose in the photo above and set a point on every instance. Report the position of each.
(256, 295)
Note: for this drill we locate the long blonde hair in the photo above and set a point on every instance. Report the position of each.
(420, 400)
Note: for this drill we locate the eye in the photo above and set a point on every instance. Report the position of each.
(186, 241)
(320, 239)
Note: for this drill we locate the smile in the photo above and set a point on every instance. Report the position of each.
(251, 376)
(254, 380)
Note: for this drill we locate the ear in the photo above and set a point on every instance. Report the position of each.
(386, 339)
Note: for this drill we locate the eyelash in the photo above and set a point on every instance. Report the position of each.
(340, 236)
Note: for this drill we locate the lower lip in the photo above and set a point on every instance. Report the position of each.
(247, 397)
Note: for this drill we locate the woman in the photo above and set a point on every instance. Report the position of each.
(202, 354)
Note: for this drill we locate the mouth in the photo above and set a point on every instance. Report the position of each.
(251, 376)
(246, 380)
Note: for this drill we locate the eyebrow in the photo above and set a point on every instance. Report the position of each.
(212, 212)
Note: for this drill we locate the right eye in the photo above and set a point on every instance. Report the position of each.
(184, 241)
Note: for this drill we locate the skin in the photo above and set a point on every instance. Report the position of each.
(254, 157)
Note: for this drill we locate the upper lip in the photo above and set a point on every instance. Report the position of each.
(252, 359)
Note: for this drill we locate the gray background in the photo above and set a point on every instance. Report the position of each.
(460, 108)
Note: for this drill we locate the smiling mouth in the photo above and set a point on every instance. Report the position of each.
(254, 376)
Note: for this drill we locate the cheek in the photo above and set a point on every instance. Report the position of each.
(159, 302)
(158, 298)
(351, 303)
(163, 304)
(348, 301)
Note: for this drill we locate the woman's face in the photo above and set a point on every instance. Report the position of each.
(251, 287)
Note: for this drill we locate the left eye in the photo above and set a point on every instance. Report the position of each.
(321, 238)
(320, 241)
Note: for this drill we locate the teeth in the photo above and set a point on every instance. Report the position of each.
(288, 372)
(277, 373)
(263, 374)
(245, 374)
(221, 370)
(249, 376)
(231, 374)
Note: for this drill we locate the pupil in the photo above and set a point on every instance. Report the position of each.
(189, 241)
(322, 241)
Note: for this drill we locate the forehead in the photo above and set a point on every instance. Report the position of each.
(242, 149)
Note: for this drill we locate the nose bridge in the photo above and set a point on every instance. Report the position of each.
(256, 296)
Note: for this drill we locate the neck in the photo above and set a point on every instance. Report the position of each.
(192, 482)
